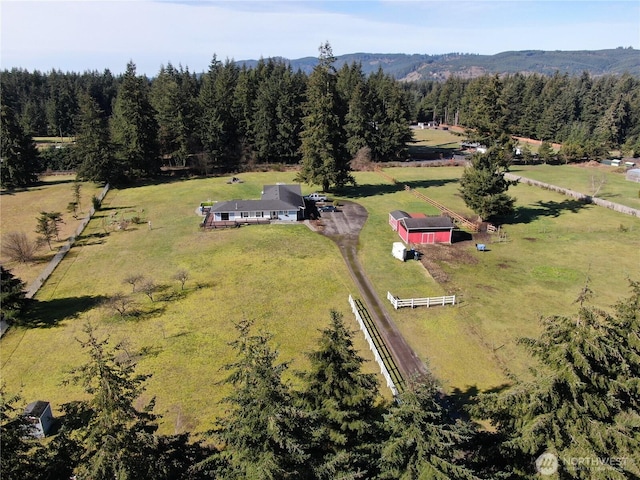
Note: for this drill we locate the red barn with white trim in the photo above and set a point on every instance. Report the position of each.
(425, 230)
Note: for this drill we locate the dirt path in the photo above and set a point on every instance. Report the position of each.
(343, 227)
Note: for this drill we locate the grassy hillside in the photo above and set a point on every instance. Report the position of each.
(287, 278)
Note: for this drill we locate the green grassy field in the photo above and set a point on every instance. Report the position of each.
(19, 211)
(288, 278)
(582, 178)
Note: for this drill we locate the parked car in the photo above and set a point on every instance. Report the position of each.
(317, 197)
(328, 208)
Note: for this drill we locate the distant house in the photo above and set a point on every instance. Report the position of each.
(421, 229)
(279, 202)
(40, 418)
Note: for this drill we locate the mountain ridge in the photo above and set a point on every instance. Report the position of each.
(417, 67)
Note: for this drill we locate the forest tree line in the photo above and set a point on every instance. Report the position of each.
(232, 117)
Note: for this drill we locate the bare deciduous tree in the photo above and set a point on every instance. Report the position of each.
(133, 280)
(120, 302)
(149, 287)
(596, 184)
(18, 248)
(181, 276)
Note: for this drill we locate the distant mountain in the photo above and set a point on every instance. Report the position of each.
(439, 67)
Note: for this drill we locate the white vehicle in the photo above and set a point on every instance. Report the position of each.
(317, 197)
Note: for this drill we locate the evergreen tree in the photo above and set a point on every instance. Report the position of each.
(134, 127)
(12, 296)
(389, 118)
(218, 126)
(263, 432)
(583, 400)
(423, 442)
(93, 148)
(20, 161)
(325, 160)
(118, 440)
(21, 453)
(483, 186)
(342, 401)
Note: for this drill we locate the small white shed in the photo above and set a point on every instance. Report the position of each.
(39, 415)
(399, 251)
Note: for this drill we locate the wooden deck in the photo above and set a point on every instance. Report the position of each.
(210, 223)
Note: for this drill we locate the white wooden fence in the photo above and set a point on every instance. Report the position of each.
(420, 302)
(373, 348)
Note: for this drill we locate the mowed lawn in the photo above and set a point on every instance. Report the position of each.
(287, 278)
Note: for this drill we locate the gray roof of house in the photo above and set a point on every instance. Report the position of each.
(399, 214)
(427, 223)
(291, 194)
(274, 198)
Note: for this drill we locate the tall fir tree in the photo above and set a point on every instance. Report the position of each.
(134, 130)
(93, 147)
(118, 440)
(263, 433)
(21, 453)
(582, 402)
(423, 441)
(20, 161)
(325, 160)
(342, 400)
(219, 132)
(483, 186)
(13, 297)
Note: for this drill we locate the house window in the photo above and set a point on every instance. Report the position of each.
(259, 214)
(274, 214)
(244, 214)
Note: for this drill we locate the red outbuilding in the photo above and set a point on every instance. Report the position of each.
(425, 230)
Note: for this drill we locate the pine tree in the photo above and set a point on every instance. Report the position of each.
(118, 440)
(93, 148)
(342, 401)
(483, 186)
(423, 442)
(583, 400)
(325, 160)
(21, 453)
(134, 127)
(12, 296)
(20, 162)
(218, 126)
(263, 432)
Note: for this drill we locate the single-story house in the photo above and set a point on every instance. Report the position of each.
(40, 418)
(421, 229)
(279, 202)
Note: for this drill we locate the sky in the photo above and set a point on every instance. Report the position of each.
(94, 35)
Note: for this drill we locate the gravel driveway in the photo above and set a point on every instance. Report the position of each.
(343, 227)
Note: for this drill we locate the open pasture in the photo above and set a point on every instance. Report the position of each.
(584, 178)
(20, 209)
(536, 269)
(287, 278)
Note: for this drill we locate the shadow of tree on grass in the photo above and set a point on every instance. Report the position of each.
(369, 190)
(46, 314)
(547, 209)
